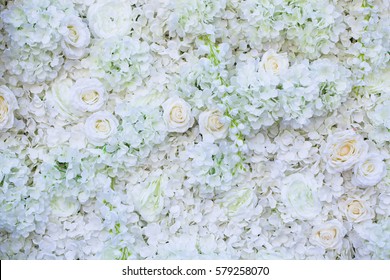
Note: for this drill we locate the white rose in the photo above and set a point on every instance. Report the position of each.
(177, 115)
(148, 200)
(76, 37)
(274, 63)
(356, 209)
(212, 125)
(64, 207)
(99, 127)
(110, 18)
(343, 150)
(369, 171)
(8, 104)
(299, 194)
(88, 95)
(238, 202)
(328, 235)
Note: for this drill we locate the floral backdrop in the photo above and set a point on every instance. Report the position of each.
(194, 129)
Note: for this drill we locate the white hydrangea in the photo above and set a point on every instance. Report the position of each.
(195, 17)
(333, 81)
(180, 247)
(214, 168)
(378, 86)
(24, 208)
(199, 79)
(34, 47)
(263, 20)
(384, 195)
(302, 92)
(141, 128)
(281, 22)
(121, 63)
(375, 239)
(380, 115)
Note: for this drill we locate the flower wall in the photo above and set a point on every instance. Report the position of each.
(194, 129)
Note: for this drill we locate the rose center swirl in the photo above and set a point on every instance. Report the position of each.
(215, 123)
(103, 126)
(177, 114)
(90, 97)
(73, 34)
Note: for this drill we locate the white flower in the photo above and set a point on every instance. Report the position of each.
(194, 17)
(375, 238)
(299, 194)
(333, 81)
(76, 37)
(64, 207)
(148, 198)
(141, 127)
(33, 53)
(56, 136)
(100, 126)
(328, 235)
(369, 171)
(110, 18)
(115, 249)
(274, 63)
(356, 209)
(120, 63)
(177, 115)
(378, 82)
(212, 125)
(182, 247)
(343, 150)
(8, 104)
(238, 202)
(380, 115)
(88, 95)
(60, 97)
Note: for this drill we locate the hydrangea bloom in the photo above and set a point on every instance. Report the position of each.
(33, 39)
(120, 62)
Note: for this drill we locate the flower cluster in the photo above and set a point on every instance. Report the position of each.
(204, 129)
(36, 41)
